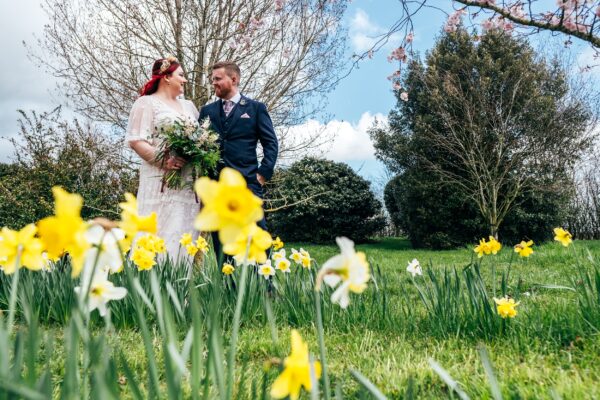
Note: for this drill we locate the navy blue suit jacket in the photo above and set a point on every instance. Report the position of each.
(239, 133)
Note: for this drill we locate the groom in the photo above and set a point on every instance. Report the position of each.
(241, 123)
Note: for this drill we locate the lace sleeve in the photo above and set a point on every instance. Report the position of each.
(141, 121)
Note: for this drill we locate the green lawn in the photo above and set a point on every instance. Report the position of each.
(388, 334)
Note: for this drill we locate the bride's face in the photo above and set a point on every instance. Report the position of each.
(177, 80)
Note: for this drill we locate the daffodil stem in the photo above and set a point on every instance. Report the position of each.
(321, 338)
(236, 323)
(12, 305)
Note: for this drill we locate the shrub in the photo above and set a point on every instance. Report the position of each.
(316, 200)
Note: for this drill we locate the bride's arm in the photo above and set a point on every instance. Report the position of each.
(145, 150)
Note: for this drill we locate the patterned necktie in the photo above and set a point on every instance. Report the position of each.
(227, 107)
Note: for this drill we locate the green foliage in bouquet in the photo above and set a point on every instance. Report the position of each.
(195, 143)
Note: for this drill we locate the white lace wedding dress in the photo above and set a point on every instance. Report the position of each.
(176, 209)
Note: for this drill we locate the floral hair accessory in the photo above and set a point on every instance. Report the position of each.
(166, 64)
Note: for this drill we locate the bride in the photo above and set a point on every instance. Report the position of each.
(159, 102)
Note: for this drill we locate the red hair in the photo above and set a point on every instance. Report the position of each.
(161, 68)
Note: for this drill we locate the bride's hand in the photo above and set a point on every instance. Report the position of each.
(174, 163)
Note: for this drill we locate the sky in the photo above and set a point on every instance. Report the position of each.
(360, 99)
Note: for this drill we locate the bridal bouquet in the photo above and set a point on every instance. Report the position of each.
(195, 143)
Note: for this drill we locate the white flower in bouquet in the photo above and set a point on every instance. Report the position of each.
(205, 123)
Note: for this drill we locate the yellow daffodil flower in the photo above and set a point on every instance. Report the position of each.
(143, 258)
(278, 255)
(490, 247)
(296, 256)
(228, 205)
(132, 223)
(186, 239)
(191, 249)
(277, 243)
(350, 268)
(152, 243)
(506, 307)
(227, 269)
(260, 241)
(202, 244)
(65, 230)
(296, 372)
(524, 248)
(305, 261)
(21, 246)
(563, 236)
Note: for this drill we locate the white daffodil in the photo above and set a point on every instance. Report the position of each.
(277, 255)
(101, 292)
(350, 268)
(296, 256)
(105, 252)
(266, 270)
(414, 267)
(283, 264)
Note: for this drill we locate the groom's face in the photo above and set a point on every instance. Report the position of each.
(224, 84)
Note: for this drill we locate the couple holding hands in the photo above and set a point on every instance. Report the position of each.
(239, 121)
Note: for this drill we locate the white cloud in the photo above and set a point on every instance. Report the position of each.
(351, 140)
(364, 33)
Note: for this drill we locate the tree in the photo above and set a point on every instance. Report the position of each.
(317, 200)
(290, 52)
(50, 151)
(573, 18)
(488, 121)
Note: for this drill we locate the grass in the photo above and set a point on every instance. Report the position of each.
(388, 335)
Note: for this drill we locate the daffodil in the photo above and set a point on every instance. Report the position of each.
(260, 241)
(202, 244)
(143, 258)
(524, 248)
(228, 205)
(296, 371)
(350, 268)
(277, 255)
(283, 264)
(132, 223)
(296, 256)
(105, 253)
(22, 247)
(101, 292)
(186, 239)
(494, 245)
(191, 249)
(152, 243)
(414, 267)
(65, 230)
(227, 269)
(506, 307)
(563, 236)
(277, 243)
(266, 270)
(305, 261)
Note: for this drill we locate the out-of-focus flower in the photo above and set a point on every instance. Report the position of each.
(143, 258)
(277, 243)
(524, 248)
(227, 269)
(278, 254)
(266, 270)
(404, 96)
(132, 223)
(202, 245)
(562, 236)
(22, 247)
(228, 205)
(101, 292)
(296, 371)
(65, 230)
(260, 241)
(506, 307)
(105, 253)
(186, 239)
(350, 268)
(414, 268)
(283, 264)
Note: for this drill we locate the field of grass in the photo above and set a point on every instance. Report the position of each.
(551, 349)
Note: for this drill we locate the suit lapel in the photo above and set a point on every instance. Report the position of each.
(236, 113)
(219, 113)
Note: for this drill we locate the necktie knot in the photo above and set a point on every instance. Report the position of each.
(227, 107)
